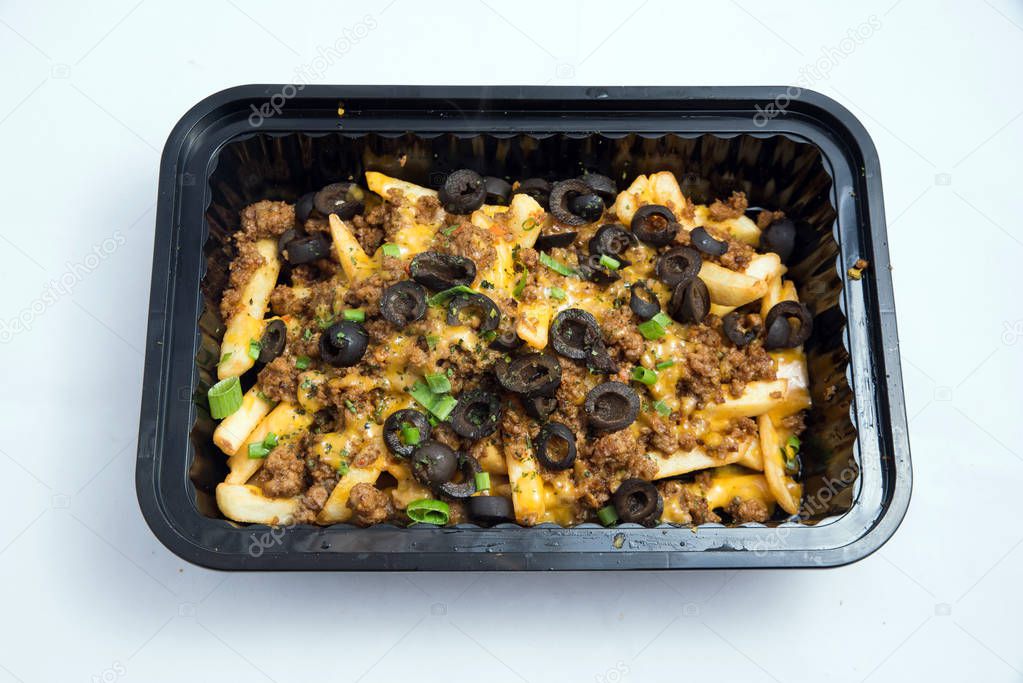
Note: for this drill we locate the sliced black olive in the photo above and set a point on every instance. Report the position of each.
(701, 239)
(551, 240)
(484, 308)
(498, 191)
(589, 207)
(642, 301)
(477, 414)
(677, 265)
(590, 268)
(344, 199)
(307, 249)
(562, 193)
(271, 344)
(343, 344)
(304, 208)
(508, 340)
(611, 406)
(777, 333)
(637, 500)
(439, 271)
(434, 463)
(537, 188)
(470, 467)
(462, 192)
(555, 446)
(403, 303)
(655, 225)
(613, 240)
(531, 374)
(398, 420)
(690, 301)
(491, 509)
(286, 238)
(602, 186)
(540, 407)
(779, 237)
(736, 333)
(799, 333)
(574, 332)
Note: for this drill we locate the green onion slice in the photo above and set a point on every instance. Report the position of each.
(520, 286)
(355, 315)
(258, 450)
(428, 511)
(662, 319)
(644, 375)
(610, 263)
(651, 329)
(664, 364)
(662, 408)
(607, 515)
(483, 481)
(441, 298)
(302, 362)
(432, 340)
(410, 435)
(555, 265)
(270, 440)
(225, 397)
(443, 406)
(556, 293)
(438, 383)
(254, 348)
(391, 250)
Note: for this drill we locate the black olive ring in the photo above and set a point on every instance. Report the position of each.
(403, 303)
(271, 344)
(779, 315)
(477, 414)
(543, 446)
(655, 225)
(642, 301)
(343, 344)
(636, 500)
(678, 265)
(530, 375)
(470, 467)
(611, 406)
(394, 424)
(488, 312)
(733, 329)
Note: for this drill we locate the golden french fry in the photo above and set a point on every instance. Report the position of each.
(383, 184)
(354, 261)
(757, 399)
(786, 492)
(245, 324)
(285, 420)
(246, 503)
(230, 434)
(527, 489)
(729, 287)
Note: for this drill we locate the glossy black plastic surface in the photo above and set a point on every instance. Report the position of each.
(813, 160)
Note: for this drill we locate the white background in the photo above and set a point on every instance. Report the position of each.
(90, 92)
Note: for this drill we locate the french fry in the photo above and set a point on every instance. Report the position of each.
(683, 462)
(785, 491)
(534, 323)
(383, 184)
(230, 434)
(757, 399)
(336, 508)
(729, 287)
(527, 488)
(525, 218)
(285, 420)
(354, 261)
(246, 503)
(246, 323)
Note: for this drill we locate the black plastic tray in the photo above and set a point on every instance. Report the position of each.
(806, 155)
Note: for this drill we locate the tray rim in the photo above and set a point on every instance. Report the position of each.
(307, 551)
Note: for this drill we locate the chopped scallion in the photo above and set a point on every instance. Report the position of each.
(664, 364)
(432, 340)
(439, 383)
(555, 265)
(225, 397)
(450, 229)
(342, 467)
(254, 348)
(441, 298)
(410, 435)
(607, 515)
(257, 451)
(651, 329)
(443, 406)
(520, 286)
(391, 250)
(662, 408)
(644, 375)
(556, 293)
(270, 440)
(302, 362)
(428, 511)
(662, 319)
(482, 481)
(355, 315)
(610, 263)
